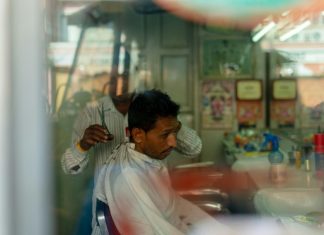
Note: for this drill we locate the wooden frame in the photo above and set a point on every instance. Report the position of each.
(217, 104)
(225, 58)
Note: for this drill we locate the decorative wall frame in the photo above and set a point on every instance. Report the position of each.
(283, 112)
(249, 112)
(249, 90)
(284, 89)
(217, 104)
(226, 58)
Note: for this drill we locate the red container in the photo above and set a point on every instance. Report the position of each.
(319, 143)
(319, 155)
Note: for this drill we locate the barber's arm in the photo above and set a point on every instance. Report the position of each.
(188, 142)
(85, 135)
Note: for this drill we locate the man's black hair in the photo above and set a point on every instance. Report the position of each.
(148, 106)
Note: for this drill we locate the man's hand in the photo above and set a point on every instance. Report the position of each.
(92, 135)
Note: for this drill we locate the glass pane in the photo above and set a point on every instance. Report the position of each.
(100, 53)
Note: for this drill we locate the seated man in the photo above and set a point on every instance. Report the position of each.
(135, 182)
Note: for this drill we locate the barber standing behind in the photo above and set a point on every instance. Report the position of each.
(89, 133)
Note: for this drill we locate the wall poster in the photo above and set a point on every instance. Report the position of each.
(249, 112)
(284, 112)
(217, 108)
(248, 90)
(226, 58)
(284, 89)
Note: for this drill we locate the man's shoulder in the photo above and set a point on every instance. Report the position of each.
(124, 159)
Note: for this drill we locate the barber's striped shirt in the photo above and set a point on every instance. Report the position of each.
(74, 161)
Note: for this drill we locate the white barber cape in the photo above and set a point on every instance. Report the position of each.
(138, 191)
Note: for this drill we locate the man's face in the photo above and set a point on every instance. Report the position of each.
(119, 92)
(158, 142)
(122, 102)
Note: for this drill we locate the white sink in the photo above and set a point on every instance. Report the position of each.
(289, 201)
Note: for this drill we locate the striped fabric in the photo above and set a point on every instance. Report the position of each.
(73, 161)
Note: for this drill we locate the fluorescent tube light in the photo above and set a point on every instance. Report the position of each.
(263, 31)
(295, 30)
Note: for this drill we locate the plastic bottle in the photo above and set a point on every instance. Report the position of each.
(278, 171)
(291, 156)
(275, 156)
(298, 159)
(307, 156)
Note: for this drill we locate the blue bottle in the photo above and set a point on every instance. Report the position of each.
(275, 156)
(277, 171)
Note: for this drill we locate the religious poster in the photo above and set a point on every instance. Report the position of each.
(217, 104)
(249, 112)
(284, 112)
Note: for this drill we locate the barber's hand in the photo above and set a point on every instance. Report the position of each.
(92, 135)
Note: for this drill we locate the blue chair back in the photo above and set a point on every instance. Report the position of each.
(104, 219)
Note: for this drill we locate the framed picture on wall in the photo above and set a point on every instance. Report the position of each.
(217, 108)
(283, 112)
(249, 90)
(226, 58)
(284, 89)
(249, 112)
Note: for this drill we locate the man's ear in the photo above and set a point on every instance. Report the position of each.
(138, 135)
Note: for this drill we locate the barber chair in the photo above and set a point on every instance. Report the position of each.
(211, 200)
(104, 219)
(201, 184)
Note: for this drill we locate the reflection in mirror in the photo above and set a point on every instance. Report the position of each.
(110, 48)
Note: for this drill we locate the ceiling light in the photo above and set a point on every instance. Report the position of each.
(295, 30)
(263, 31)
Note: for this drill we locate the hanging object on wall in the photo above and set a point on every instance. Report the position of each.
(284, 89)
(283, 104)
(249, 112)
(217, 104)
(248, 90)
(230, 58)
(283, 112)
(237, 13)
(249, 102)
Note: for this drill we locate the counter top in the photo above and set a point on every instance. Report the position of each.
(258, 170)
(296, 178)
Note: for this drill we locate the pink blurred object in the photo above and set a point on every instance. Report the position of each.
(238, 13)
